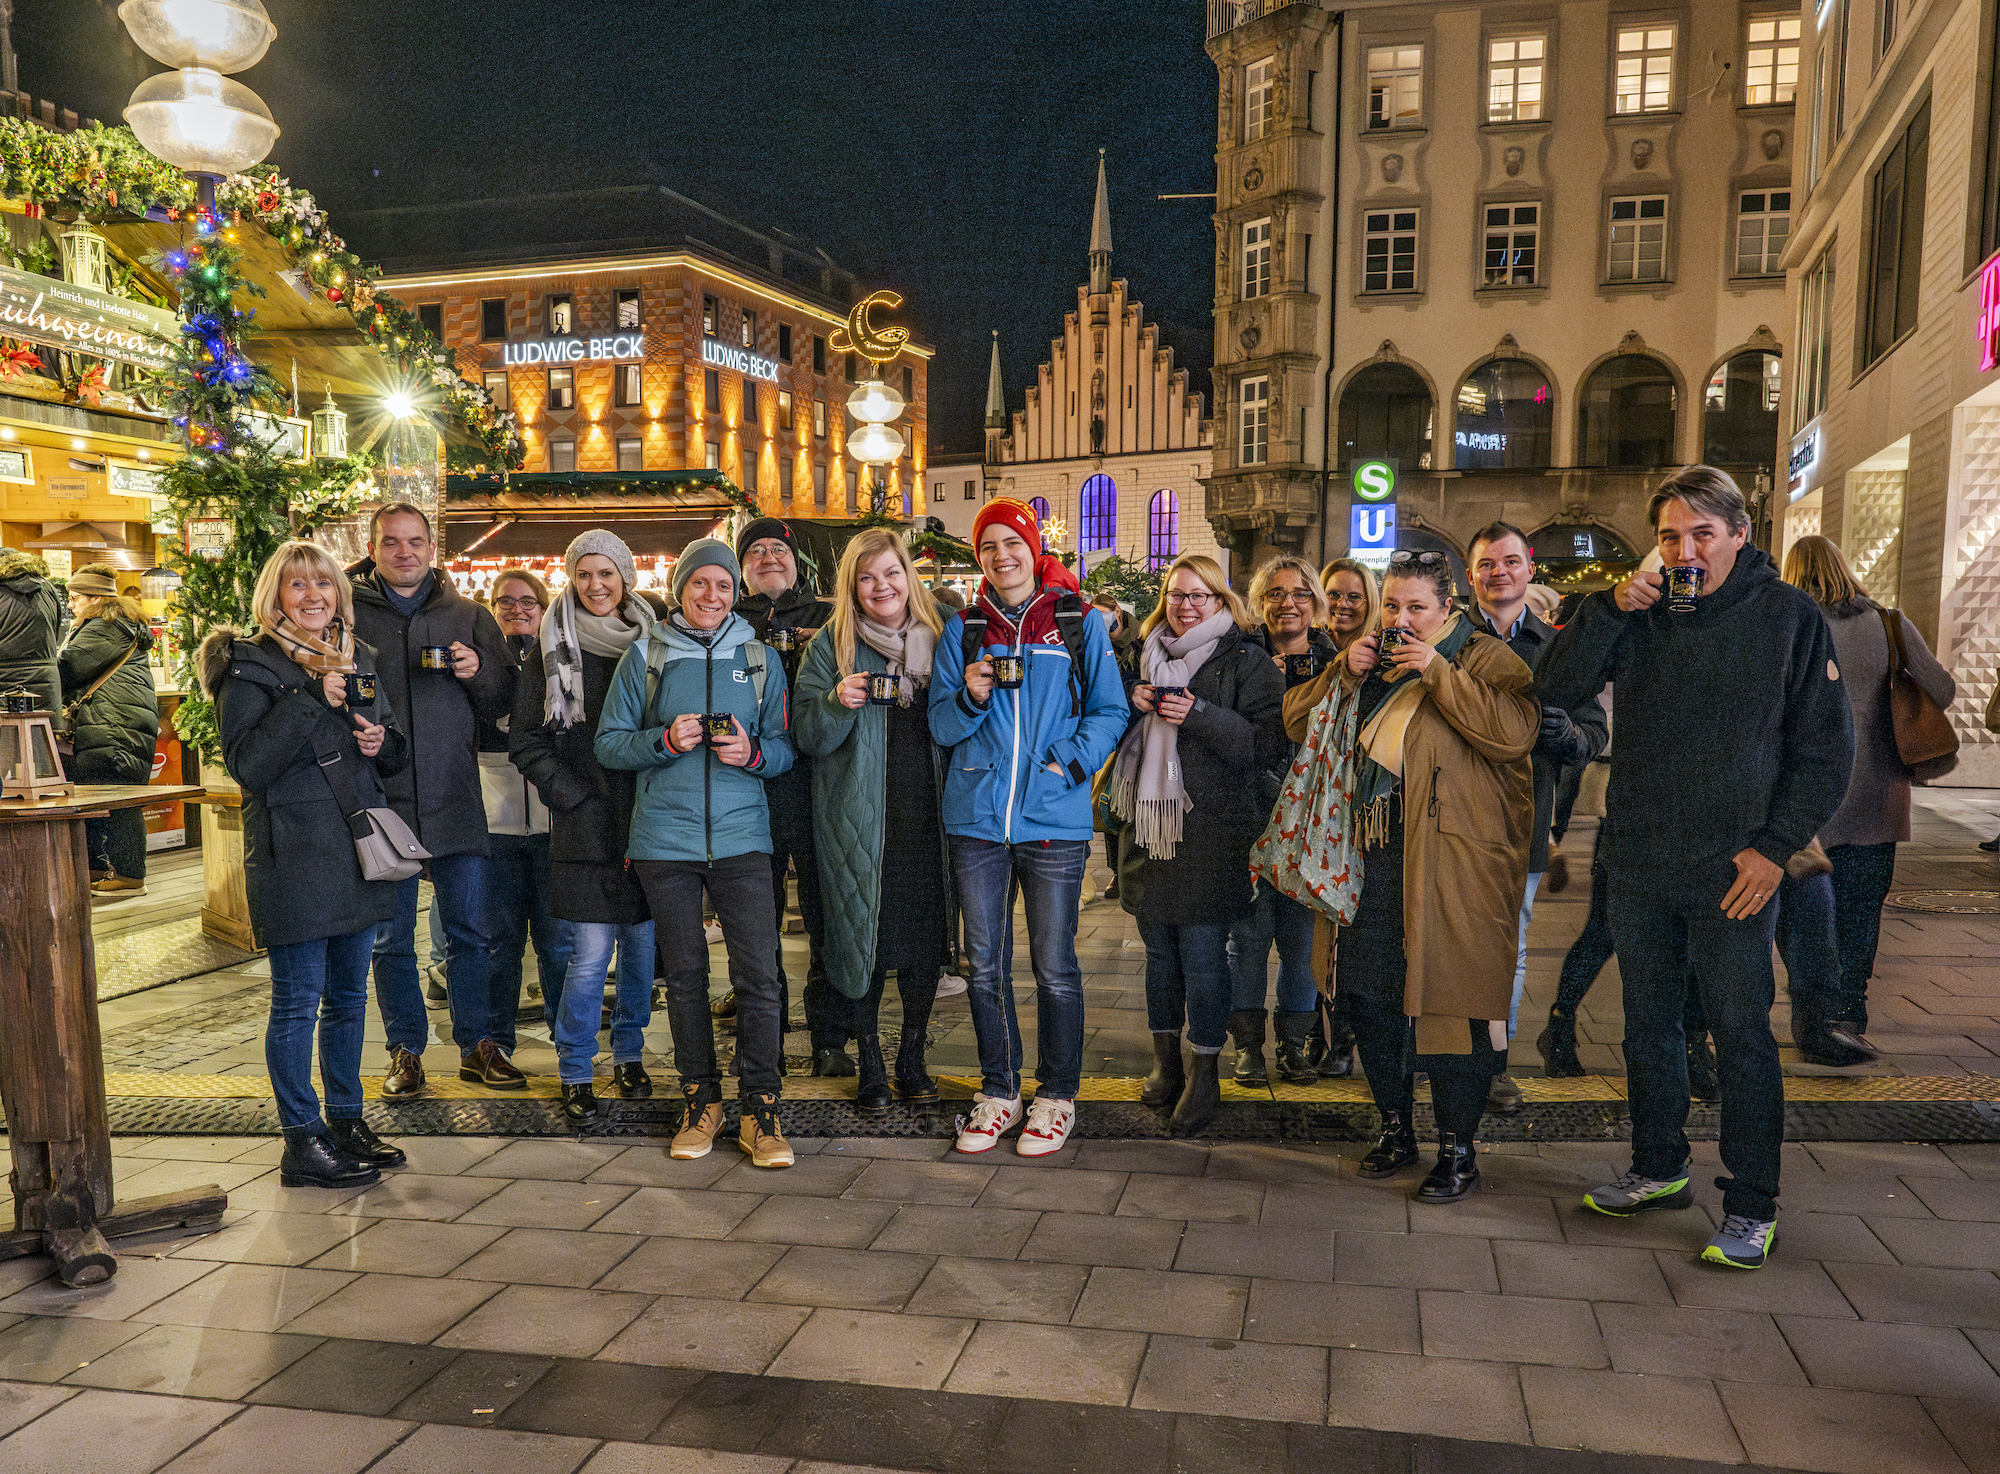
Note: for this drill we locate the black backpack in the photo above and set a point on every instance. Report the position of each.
(1070, 615)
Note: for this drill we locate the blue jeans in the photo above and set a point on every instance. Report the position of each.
(324, 980)
(574, 1026)
(1051, 880)
(520, 879)
(459, 888)
(1187, 977)
(1521, 956)
(1275, 917)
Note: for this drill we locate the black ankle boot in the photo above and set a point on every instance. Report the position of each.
(1456, 1172)
(871, 1091)
(1293, 1031)
(1394, 1149)
(1557, 1044)
(1246, 1027)
(1338, 1062)
(354, 1138)
(312, 1160)
(832, 1062)
(632, 1080)
(914, 1086)
(579, 1102)
(1163, 1086)
(1201, 1098)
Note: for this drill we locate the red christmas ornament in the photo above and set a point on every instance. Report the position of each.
(333, 294)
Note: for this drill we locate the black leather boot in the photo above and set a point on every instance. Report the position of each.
(354, 1138)
(632, 1080)
(1557, 1044)
(871, 1092)
(312, 1160)
(1163, 1086)
(1339, 1061)
(1294, 1030)
(1201, 1098)
(579, 1102)
(1246, 1027)
(1456, 1172)
(832, 1062)
(914, 1086)
(1394, 1149)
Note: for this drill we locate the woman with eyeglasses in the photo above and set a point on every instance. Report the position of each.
(1294, 611)
(1353, 600)
(1441, 801)
(1208, 703)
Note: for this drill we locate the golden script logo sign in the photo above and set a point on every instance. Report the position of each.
(84, 320)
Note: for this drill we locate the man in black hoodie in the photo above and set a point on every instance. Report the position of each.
(1734, 743)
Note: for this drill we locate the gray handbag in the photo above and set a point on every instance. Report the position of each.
(383, 843)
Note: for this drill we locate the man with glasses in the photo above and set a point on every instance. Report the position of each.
(1502, 565)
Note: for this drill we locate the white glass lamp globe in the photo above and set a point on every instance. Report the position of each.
(875, 445)
(223, 35)
(874, 402)
(201, 121)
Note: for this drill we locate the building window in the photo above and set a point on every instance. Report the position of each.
(785, 344)
(1389, 251)
(496, 388)
(1896, 239)
(785, 479)
(852, 373)
(1254, 422)
(1514, 78)
(1627, 405)
(1257, 258)
(784, 409)
(711, 392)
(819, 419)
(971, 491)
(819, 355)
(1815, 340)
(625, 385)
(1041, 506)
(492, 319)
(853, 489)
(1638, 239)
(748, 326)
(750, 416)
(1511, 236)
(562, 313)
(909, 383)
(631, 455)
(712, 459)
(430, 316)
(1257, 98)
(1763, 224)
(750, 472)
(1771, 59)
(1163, 529)
(626, 314)
(819, 486)
(709, 310)
(1097, 520)
(1887, 39)
(562, 388)
(1386, 410)
(1395, 86)
(562, 455)
(1644, 81)
(1506, 418)
(1739, 411)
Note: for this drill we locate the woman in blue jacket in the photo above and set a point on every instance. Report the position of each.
(1029, 720)
(697, 708)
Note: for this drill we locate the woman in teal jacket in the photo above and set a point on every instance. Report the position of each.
(877, 783)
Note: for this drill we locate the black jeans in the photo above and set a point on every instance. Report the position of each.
(1862, 875)
(1666, 928)
(826, 1009)
(917, 989)
(1592, 949)
(1805, 935)
(739, 888)
(117, 843)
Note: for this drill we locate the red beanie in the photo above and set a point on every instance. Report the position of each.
(1020, 517)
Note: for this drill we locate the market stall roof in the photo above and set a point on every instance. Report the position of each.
(539, 512)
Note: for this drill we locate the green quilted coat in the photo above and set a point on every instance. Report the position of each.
(849, 751)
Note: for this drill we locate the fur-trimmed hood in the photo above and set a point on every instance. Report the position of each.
(15, 564)
(216, 652)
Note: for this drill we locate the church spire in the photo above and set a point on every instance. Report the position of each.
(996, 396)
(1100, 236)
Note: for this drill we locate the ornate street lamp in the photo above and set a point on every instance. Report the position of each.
(874, 404)
(194, 117)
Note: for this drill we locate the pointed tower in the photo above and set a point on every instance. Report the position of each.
(1100, 236)
(996, 405)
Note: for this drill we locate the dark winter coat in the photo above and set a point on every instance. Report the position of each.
(1567, 738)
(1319, 641)
(299, 865)
(590, 805)
(31, 613)
(1230, 746)
(438, 792)
(116, 730)
(790, 794)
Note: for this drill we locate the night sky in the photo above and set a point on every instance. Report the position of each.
(947, 151)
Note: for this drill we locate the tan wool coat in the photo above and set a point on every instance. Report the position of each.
(1468, 813)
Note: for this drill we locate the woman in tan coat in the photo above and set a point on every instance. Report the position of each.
(1444, 801)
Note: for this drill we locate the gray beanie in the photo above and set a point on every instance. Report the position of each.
(705, 552)
(605, 545)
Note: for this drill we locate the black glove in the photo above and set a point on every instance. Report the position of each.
(1556, 728)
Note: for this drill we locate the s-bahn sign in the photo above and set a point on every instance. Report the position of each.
(81, 319)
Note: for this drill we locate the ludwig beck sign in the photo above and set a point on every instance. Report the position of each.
(84, 320)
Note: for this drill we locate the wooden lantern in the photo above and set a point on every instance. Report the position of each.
(29, 766)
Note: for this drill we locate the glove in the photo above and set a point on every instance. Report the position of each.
(1557, 735)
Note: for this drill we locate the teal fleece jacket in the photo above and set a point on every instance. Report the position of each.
(690, 805)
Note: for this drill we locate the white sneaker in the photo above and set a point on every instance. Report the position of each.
(950, 985)
(711, 934)
(1048, 1127)
(981, 1131)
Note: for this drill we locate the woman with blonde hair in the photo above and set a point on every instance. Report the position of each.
(863, 714)
(1354, 599)
(308, 737)
(114, 721)
(1192, 781)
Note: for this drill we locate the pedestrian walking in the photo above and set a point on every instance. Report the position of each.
(1030, 718)
(113, 721)
(863, 714)
(306, 759)
(558, 706)
(1734, 744)
(697, 709)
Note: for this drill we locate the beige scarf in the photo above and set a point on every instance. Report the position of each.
(908, 650)
(1146, 787)
(1382, 736)
(314, 653)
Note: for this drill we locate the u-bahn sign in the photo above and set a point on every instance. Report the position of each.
(81, 319)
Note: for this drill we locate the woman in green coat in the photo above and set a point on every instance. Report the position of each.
(878, 783)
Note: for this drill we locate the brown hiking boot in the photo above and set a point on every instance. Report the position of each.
(701, 1125)
(405, 1077)
(489, 1066)
(760, 1136)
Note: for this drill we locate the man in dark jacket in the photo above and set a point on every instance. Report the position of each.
(30, 620)
(1734, 743)
(1502, 565)
(402, 606)
(777, 599)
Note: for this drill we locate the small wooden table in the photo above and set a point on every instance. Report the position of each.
(51, 1054)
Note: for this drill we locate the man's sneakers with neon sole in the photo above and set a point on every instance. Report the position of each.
(1634, 1193)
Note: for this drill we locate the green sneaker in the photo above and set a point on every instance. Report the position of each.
(1635, 1194)
(1742, 1243)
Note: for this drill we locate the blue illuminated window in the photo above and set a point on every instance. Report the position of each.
(1163, 529)
(1099, 528)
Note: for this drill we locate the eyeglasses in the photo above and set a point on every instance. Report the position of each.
(527, 601)
(1422, 560)
(1288, 596)
(1197, 599)
(1348, 601)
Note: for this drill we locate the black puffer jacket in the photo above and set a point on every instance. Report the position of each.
(437, 793)
(115, 731)
(30, 618)
(299, 865)
(1229, 745)
(790, 793)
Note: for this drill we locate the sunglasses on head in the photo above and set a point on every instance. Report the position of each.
(1422, 560)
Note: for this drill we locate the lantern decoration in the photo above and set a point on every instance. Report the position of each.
(83, 256)
(29, 766)
(874, 404)
(329, 430)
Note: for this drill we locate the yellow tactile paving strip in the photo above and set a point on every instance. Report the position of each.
(961, 1087)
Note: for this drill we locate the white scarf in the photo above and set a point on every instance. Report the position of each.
(568, 630)
(908, 651)
(1146, 787)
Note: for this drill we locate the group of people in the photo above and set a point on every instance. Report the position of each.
(1365, 774)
